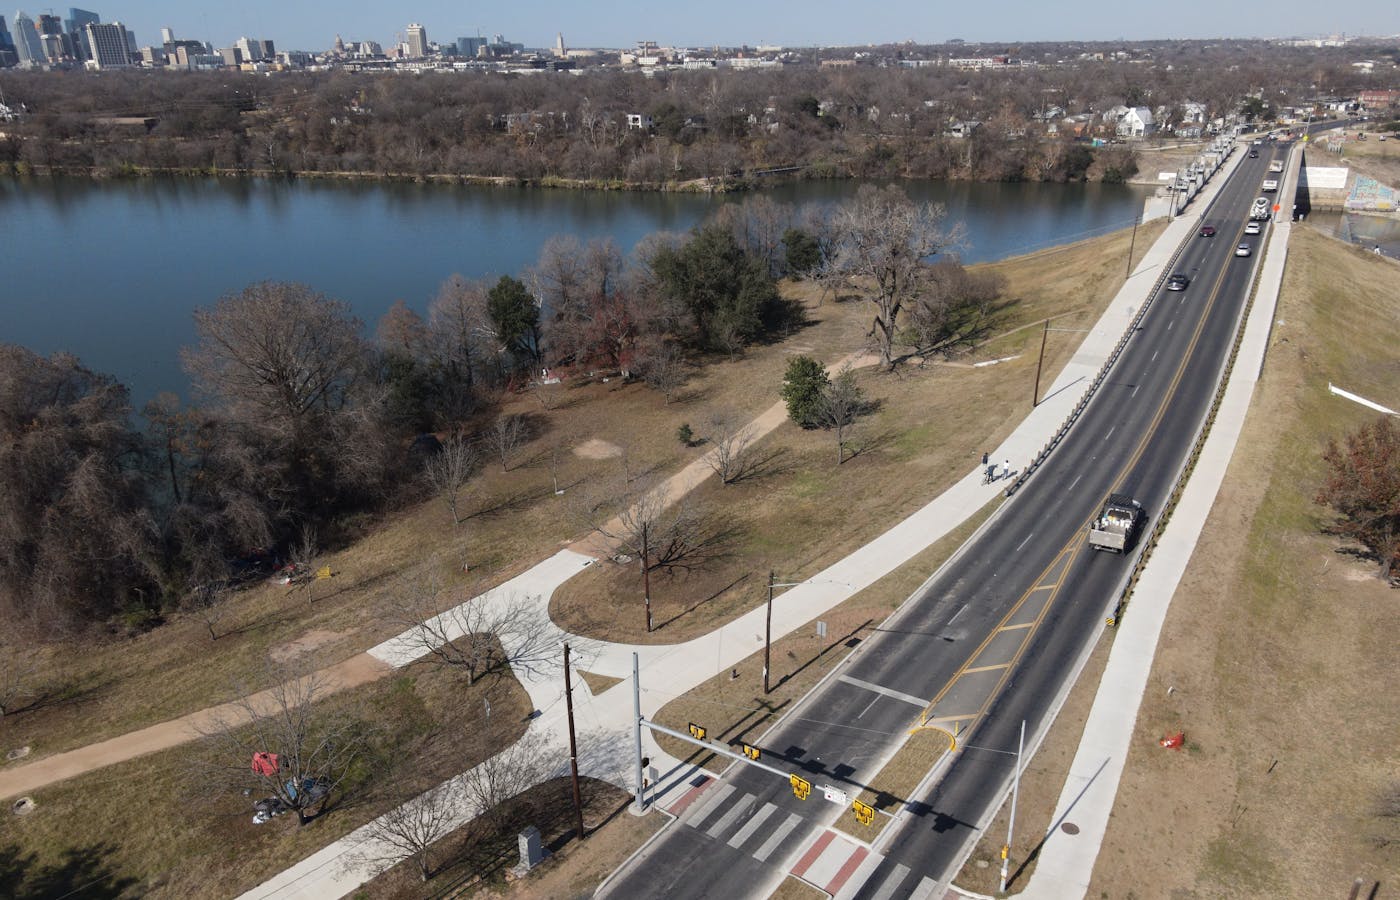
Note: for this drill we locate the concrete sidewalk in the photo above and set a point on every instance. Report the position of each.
(668, 671)
(1065, 865)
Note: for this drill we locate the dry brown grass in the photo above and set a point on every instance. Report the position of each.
(147, 822)
(792, 888)
(804, 511)
(1281, 651)
(572, 870)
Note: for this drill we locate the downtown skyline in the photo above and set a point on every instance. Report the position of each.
(820, 23)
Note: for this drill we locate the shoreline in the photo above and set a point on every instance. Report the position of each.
(718, 184)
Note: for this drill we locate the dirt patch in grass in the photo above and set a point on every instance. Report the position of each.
(802, 511)
(150, 825)
(736, 709)
(307, 643)
(1282, 663)
(597, 449)
(478, 856)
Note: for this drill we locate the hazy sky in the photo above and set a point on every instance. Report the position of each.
(313, 26)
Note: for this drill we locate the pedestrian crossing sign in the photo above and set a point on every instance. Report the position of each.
(801, 787)
(751, 752)
(697, 731)
(865, 814)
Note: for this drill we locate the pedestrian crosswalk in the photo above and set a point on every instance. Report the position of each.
(741, 820)
(836, 864)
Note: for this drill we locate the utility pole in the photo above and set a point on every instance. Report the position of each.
(573, 746)
(768, 631)
(1035, 392)
(1015, 789)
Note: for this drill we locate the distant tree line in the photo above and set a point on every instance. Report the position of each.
(861, 121)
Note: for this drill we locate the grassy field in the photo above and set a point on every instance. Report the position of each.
(152, 827)
(1194, 824)
(802, 511)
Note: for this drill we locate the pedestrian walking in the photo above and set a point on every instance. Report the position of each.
(1006, 468)
(984, 459)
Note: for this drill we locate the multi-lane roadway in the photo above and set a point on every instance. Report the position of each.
(992, 640)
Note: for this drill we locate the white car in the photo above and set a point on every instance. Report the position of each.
(1242, 250)
(1251, 228)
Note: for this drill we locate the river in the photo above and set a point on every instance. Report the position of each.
(111, 270)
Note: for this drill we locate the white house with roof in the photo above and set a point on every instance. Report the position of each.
(1136, 123)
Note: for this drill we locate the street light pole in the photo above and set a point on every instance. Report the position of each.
(1132, 245)
(1011, 824)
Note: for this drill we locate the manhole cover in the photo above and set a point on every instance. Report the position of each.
(23, 806)
(1069, 828)
(17, 753)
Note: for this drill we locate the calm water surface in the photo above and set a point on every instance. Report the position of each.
(111, 270)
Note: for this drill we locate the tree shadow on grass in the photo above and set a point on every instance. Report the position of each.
(82, 872)
(699, 603)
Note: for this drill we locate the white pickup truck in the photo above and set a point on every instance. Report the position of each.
(1270, 185)
(1276, 166)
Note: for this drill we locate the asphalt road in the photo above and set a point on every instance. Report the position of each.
(993, 639)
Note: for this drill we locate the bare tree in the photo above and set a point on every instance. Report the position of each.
(663, 367)
(514, 770)
(304, 554)
(883, 241)
(209, 604)
(410, 829)
(494, 631)
(448, 472)
(276, 353)
(19, 670)
(278, 744)
(841, 403)
(731, 444)
(506, 436)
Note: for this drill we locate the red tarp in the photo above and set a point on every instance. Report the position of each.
(265, 763)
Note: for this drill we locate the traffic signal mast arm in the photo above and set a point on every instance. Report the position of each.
(714, 748)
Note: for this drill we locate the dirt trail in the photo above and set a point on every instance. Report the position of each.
(358, 670)
(355, 671)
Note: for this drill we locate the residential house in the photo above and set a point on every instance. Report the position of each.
(1136, 123)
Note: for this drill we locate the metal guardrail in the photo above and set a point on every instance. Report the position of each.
(1188, 466)
(1112, 359)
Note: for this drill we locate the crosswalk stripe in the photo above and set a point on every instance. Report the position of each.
(696, 814)
(891, 883)
(740, 806)
(925, 890)
(743, 834)
(776, 838)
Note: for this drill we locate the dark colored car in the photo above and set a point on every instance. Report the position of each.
(1254, 154)
(1178, 282)
(1208, 231)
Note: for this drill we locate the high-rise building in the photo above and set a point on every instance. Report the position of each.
(255, 50)
(107, 45)
(77, 20)
(7, 43)
(167, 35)
(559, 49)
(417, 40)
(470, 46)
(27, 46)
